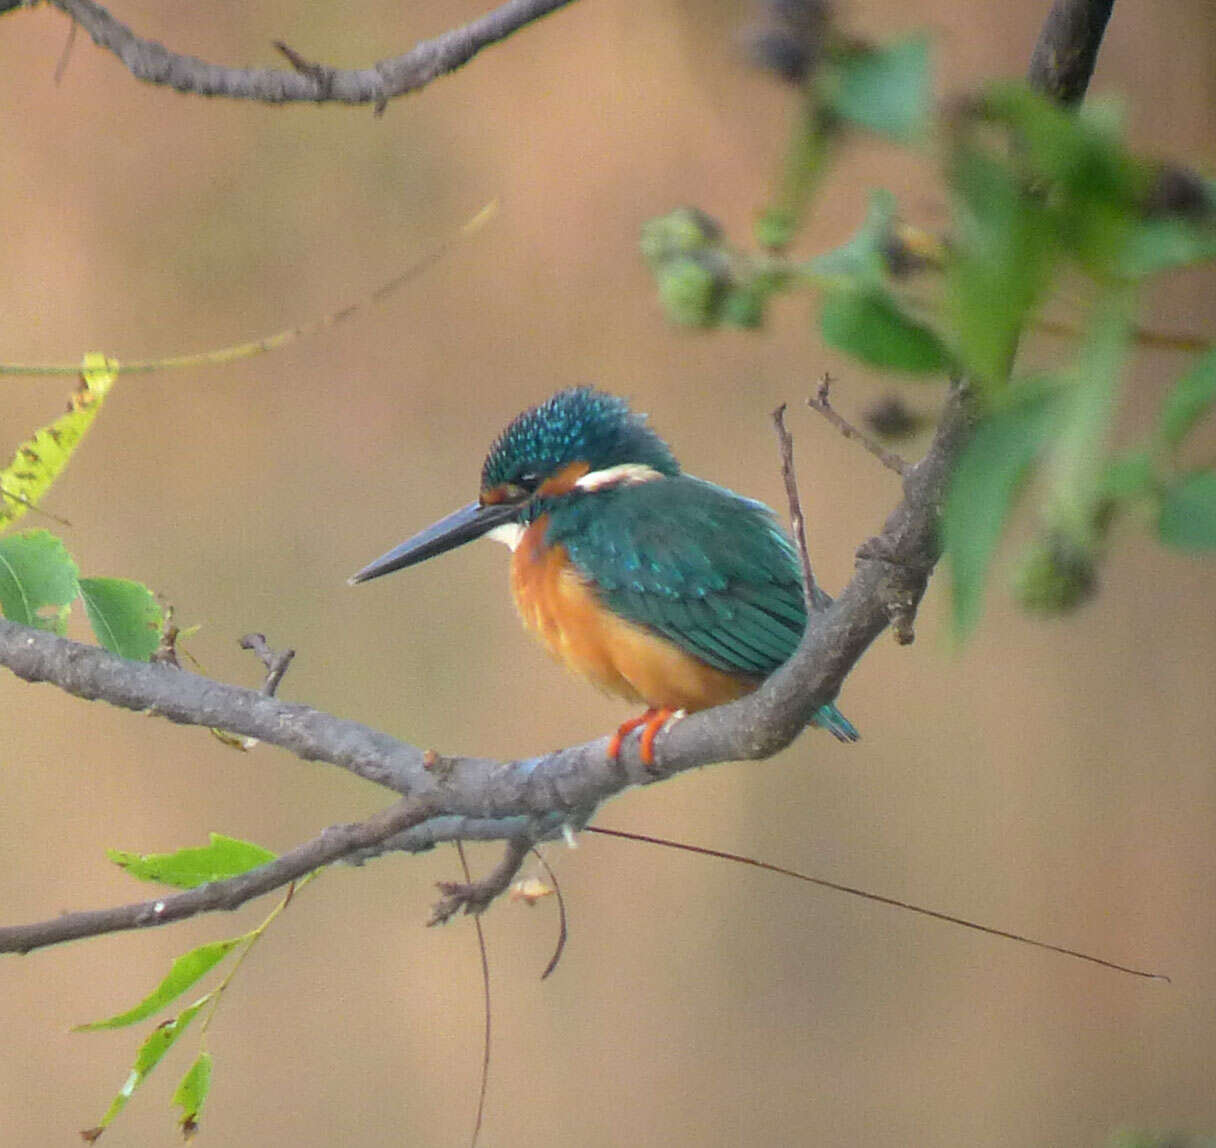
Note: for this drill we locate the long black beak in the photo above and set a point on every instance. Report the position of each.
(456, 529)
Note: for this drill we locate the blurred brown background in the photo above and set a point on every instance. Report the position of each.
(1053, 778)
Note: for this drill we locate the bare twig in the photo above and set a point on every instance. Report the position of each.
(68, 45)
(852, 891)
(475, 896)
(485, 988)
(810, 588)
(21, 498)
(280, 338)
(306, 81)
(563, 931)
(276, 663)
(821, 403)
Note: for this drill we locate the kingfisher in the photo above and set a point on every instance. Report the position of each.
(659, 587)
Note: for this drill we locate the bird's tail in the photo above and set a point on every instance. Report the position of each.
(830, 718)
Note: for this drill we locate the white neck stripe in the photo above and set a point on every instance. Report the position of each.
(627, 474)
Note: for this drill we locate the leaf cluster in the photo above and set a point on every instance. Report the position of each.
(186, 869)
(1048, 207)
(39, 580)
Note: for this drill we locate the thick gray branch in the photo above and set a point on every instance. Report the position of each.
(383, 81)
(459, 798)
(473, 798)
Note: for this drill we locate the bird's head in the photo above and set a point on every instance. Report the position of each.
(579, 441)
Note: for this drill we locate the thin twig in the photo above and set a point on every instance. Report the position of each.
(562, 931)
(852, 891)
(485, 985)
(810, 588)
(30, 506)
(474, 896)
(820, 402)
(68, 45)
(305, 81)
(280, 338)
(276, 663)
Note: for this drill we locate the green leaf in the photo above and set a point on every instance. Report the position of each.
(1083, 418)
(191, 1093)
(124, 615)
(1097, 186)
(862, 261)
(1188, 512)
(1156, 245)
(40, 459)
(186, 971)
(1002, 260)
(886, 89)
(1127, 476)
(870, 326)
(1191, 398)
(983, 491)
(37, 580)
(150, 1054)
(188, 868)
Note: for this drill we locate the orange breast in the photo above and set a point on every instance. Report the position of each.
(618, 656)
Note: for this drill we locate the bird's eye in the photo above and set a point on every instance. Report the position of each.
(529, 480)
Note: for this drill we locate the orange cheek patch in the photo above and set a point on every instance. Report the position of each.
(564, 480)
(619, 657)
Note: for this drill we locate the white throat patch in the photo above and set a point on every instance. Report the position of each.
(508, 533)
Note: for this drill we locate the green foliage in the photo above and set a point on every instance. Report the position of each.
(869, 325)
(150, 1054)
(191, 1093)
(41, 458)
(224, 857)
(1041, 199)
(985, 485)
(37, 580)
(125, 616)
(1001, 262)
(186, 971)
(885, 89)
(1188, 512)
(862, 260)
(1190, 399)
(188, 868)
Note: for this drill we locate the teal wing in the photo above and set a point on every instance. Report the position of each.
(709, 570)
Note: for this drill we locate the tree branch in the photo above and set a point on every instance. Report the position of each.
(529, 800)
(334, 843)
(385, 80)
(460, 798)
(1064, 56)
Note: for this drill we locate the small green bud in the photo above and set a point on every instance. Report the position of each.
(685, 231)
(744, 305)
(692, 288)
(1056, 576)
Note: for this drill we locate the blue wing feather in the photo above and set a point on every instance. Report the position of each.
(709, 570)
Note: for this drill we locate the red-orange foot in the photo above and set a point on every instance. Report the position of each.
(654, 719)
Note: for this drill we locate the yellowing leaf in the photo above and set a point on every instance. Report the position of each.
(40, 459)
(530, 889)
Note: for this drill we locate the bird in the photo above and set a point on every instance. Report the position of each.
(659, 587)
